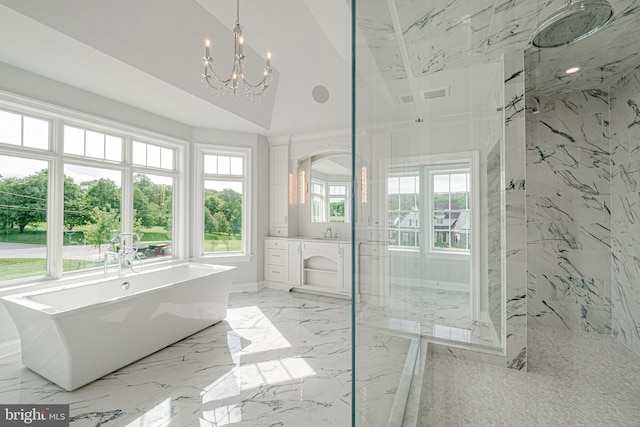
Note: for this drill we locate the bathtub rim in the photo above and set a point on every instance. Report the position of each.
(23, 298)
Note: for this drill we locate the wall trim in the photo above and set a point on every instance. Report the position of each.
(437, 284)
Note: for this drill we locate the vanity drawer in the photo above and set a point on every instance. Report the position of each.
(276, 256)
(276, 273)
(275, 244)
(320, 247)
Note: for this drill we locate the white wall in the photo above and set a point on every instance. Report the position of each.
(25, 83)
(249, 272)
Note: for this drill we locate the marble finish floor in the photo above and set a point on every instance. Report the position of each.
(440, 315)
(574, 379)
(278, 359)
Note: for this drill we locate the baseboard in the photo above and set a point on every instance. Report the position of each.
(9, 348)
(277, 285)
(244, 287)
(434, 284)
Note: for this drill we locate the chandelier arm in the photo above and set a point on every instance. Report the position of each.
(231, 85)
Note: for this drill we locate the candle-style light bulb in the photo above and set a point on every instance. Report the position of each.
(207, 44)
(241, 44)
(268, 59)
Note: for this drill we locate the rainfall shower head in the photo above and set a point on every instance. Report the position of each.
(572, 22)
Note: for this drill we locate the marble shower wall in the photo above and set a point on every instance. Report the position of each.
(568, 211)
(515, 253)
(625, 209)
(495, 168)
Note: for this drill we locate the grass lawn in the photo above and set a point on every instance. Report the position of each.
(222, 243)
(38, 235)
(17, 268)
(30, 235)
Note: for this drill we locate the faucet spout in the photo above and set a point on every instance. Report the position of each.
(328, 230)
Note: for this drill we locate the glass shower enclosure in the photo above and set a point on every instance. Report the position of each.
(429, 201)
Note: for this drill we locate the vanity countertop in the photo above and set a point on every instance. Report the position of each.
(312, 239)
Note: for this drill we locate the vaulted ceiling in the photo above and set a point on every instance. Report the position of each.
(147, 53)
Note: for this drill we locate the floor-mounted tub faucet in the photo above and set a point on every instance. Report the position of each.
(125, 255)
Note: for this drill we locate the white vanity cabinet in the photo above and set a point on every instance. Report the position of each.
(346, 268)
(326, 266)
(283, 216)
(374, 259)
(276, 261)
(282, 261)
(309, 264)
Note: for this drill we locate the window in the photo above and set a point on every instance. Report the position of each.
(17, 129)
(338, 202)
(96, 145)
(318, 201)
(429, 205)
(153, 215)
(403, 207)
(451, 209)
(153, 156)
(91, 214)
(332, 208)
(225, 201)
(23, 217)
(97, 194)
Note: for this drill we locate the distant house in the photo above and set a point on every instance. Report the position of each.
(451, 229)
(404, 230)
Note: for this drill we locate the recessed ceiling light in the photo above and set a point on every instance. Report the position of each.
(572, 70)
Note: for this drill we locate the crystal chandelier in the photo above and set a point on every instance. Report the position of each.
(231, 85)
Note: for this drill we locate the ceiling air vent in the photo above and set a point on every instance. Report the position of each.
(435, 93)
(406, 99)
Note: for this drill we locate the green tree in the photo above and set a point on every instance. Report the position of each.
(210, 225)
(222, 225)
(25, 200)
(103, 192)
(104, 222)
(75, 207)
(141, 205)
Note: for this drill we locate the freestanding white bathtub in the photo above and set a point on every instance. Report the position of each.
(75, 334)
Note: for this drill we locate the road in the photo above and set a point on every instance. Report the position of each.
(24, 250)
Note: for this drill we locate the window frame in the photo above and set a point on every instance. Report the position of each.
(420, 165)
(446, 170)
(198, 199)
(347, 200)
(58, 118)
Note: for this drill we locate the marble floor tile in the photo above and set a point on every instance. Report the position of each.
(278, 359)
(442, 315)
(575, 378)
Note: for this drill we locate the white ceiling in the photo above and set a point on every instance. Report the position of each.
(147, 53)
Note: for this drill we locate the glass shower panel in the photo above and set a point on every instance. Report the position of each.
(428, 180)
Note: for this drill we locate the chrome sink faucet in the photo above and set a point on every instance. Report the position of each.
(330, 235)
